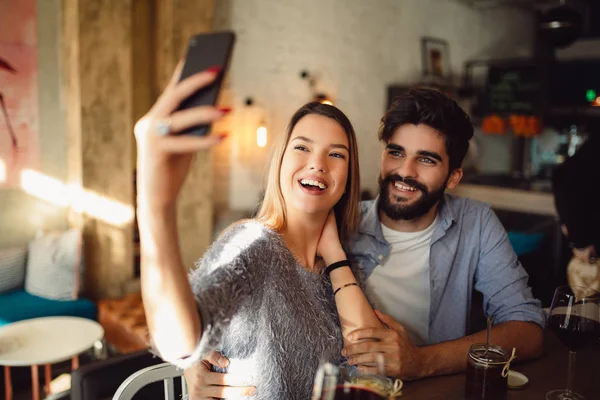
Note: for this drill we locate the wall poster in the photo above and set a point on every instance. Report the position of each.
(19, 114)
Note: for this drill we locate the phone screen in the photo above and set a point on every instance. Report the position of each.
(204, 51)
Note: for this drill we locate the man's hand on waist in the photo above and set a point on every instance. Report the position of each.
(203, 383)
(401, 358)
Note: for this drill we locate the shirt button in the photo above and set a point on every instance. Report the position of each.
(380, 257)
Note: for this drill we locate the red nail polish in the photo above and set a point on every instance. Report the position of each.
(215, 69)
(223, 136)
(224, 110)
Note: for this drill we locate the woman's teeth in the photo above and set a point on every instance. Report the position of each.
(310, 182)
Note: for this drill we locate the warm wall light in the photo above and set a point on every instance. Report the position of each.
(2, 171)
(261, 136)
(323, 99)
(261, 131)
(312, 84)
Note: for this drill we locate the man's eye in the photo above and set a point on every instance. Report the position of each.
(395, 153)
(427, 161)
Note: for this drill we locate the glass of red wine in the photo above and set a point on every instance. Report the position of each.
(336, 383)
(575, 320)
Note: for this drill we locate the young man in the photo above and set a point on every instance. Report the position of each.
(424, 251)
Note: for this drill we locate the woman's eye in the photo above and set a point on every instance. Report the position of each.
(338, 155)
(301, 148)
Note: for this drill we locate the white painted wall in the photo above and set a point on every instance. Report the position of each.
(357, 47)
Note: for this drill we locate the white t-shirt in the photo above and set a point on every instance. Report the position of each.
(401, 284)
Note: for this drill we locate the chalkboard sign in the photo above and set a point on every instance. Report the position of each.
(514, 90)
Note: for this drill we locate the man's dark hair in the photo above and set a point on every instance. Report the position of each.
(431, 107)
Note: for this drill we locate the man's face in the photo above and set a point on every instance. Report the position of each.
(414, 172)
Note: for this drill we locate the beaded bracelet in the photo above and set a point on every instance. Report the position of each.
(345, 286)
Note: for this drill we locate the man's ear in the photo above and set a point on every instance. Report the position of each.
(455, 177)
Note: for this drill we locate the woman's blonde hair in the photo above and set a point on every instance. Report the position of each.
(272, 211)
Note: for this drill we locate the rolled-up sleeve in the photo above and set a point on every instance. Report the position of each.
(501, 278)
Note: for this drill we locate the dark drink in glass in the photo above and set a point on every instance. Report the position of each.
(486, 377)
(355, 392)
(574, 319)
(574, 331)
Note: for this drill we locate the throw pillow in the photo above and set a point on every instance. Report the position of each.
(54, 265)
(12, 268)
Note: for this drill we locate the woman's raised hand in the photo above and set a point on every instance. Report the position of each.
(163, 156)
(330, 247)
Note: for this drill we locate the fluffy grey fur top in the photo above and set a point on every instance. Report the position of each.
(271, 317)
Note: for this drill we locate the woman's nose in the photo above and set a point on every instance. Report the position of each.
(318, 163)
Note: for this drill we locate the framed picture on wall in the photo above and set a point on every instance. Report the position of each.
(436, 60)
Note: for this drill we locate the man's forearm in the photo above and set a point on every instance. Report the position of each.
(451, 357)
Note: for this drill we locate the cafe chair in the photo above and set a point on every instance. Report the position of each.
(165, 372)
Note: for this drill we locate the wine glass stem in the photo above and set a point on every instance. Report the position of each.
(570, 374)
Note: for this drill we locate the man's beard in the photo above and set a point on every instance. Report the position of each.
(418, 208)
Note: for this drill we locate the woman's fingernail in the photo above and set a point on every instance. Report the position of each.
(224, 110)
(223, 136)
(252, 392)
(215, 69)
(344, 352)
(223, 362)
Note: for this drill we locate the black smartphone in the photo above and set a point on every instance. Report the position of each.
(204, 51)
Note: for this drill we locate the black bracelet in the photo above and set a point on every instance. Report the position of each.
(336, 265)
(345, 286)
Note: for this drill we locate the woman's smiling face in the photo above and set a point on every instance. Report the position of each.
(314, 169)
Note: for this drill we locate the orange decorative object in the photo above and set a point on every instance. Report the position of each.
(526, 126)
(494, 125)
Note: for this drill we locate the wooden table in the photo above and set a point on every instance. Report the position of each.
(546, 373)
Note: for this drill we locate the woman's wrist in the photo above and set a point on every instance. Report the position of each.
(334, 256)
(341, 276)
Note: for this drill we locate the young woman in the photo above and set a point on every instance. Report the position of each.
(274, 294)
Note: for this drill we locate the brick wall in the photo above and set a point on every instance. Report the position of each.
(357, 47)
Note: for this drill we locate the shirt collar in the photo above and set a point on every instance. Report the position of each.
(370, 223)
(446, 212)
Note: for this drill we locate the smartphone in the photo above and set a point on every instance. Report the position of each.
(206, 50)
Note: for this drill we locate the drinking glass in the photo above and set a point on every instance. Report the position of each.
(337, 383)
(575, 320)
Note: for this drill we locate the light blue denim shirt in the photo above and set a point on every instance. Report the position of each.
(469, 250)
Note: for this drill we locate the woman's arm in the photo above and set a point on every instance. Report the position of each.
(354, 309)
(162, 166)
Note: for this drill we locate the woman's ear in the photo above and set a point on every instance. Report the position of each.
(455, 177)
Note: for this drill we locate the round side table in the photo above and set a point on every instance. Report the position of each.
(45, 341)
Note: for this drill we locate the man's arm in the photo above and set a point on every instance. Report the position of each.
(406, 361)
(451, 357)
(203, 383)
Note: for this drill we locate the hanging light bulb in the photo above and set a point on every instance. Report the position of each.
(323, 99)
(261, 136)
